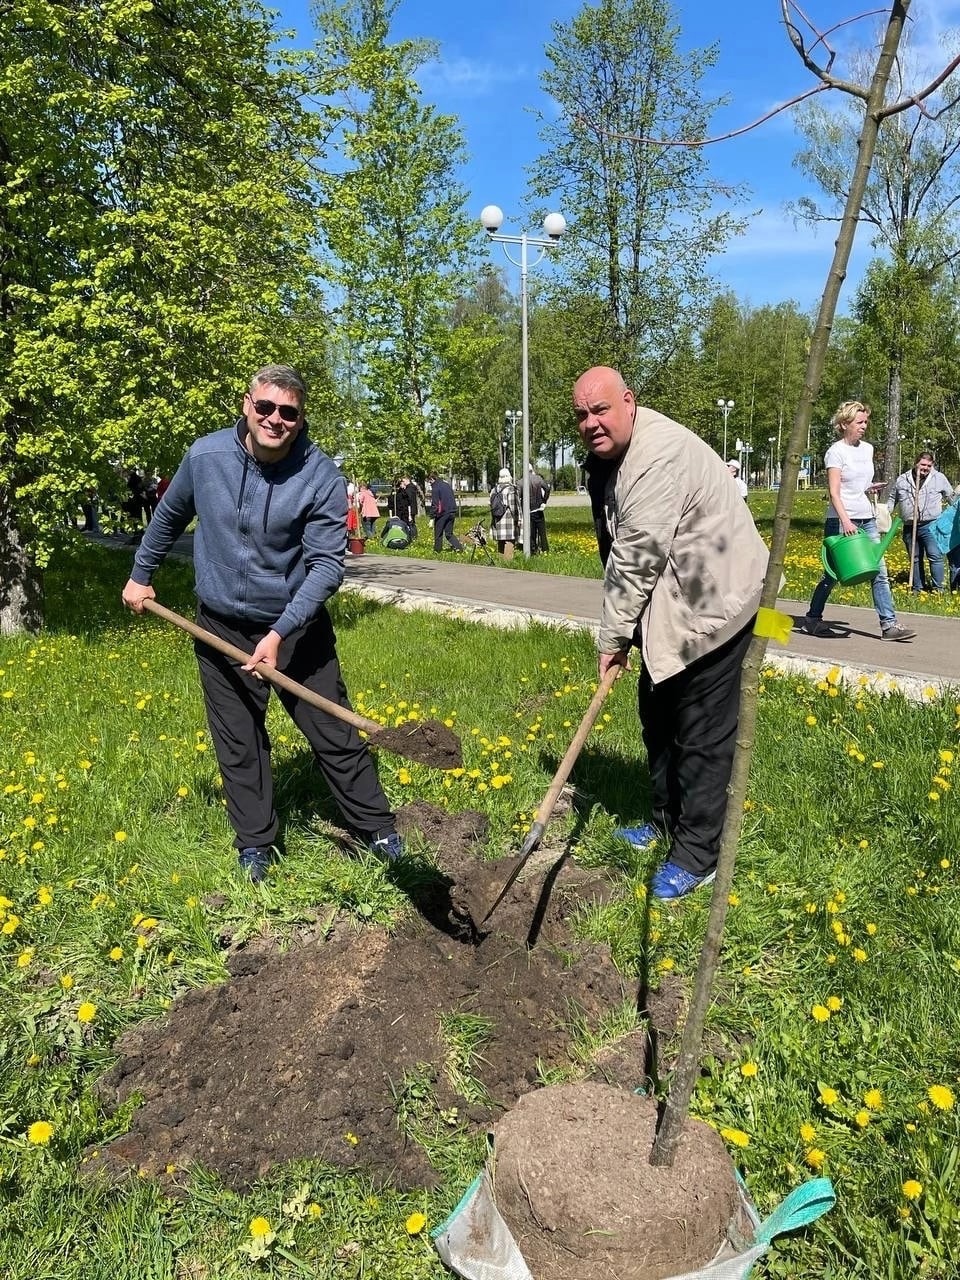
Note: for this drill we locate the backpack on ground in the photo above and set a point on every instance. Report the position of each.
(498, 505)
(396, 534)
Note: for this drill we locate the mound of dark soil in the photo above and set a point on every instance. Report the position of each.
(583, 1202)
(301, 1054)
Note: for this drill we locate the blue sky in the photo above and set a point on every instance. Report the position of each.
(487, 74)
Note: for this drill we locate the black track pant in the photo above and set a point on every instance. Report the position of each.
(689, 725)
(236, 705)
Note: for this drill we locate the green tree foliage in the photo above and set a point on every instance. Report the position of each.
(752, 355)
(394, 228)
(154, 244)
(911, 203)
(644, 217)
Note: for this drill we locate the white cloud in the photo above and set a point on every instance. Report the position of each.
(469, 77)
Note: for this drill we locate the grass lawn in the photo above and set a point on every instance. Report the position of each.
(573, 551)
(835, 1033)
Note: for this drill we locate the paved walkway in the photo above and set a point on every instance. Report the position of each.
(490, 594)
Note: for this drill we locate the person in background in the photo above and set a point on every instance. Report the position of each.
(920, 494)
(369, 510)
(849, 463)
(413, 502)
(683, 572)
(268, 555)
(505, 513)
(539, 493)
(733, 466)
(443, 512)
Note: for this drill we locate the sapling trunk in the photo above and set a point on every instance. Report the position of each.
(687, 1069)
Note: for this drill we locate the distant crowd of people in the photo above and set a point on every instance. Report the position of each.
(406, 500)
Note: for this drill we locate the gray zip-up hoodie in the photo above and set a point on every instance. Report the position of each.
(270, 539)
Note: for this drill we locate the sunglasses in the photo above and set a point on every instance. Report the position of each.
(264, 409)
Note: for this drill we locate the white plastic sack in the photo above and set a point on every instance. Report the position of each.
(476, 1243)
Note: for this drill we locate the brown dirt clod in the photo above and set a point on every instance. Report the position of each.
(574, 1183)
(425, 741)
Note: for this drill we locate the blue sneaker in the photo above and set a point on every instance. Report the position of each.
(671, 881)
(255, 862)
(639, 837)
(388, 848)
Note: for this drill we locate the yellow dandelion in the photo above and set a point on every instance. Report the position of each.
(25, 957)
(811, 721)
(940, 1096)
(749, 1070)
(816, 1158)
(404, 777)
(862, 1119)
(351, 1138)
(116, 953)
(946, 757)
(871, 929)
(834, 1004)
(260, 1227)
(873, 1099)
(733, 899)
(183, 791)
(87, 1011)
(820, 1013)
(415, 1224)
(828, 1096)
(736, 1137)
(859, 954)
(119, 836)
(912, 1189)
(807, 1132)
(40, 1133)
(314, 1210)
(66, 981)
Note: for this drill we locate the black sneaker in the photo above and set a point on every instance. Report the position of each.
(388, 848)
(255, 862)
(814, 626)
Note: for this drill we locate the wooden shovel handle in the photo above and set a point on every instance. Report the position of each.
(268, 673)
(546, 806)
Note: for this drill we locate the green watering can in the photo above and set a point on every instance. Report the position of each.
(855, 557)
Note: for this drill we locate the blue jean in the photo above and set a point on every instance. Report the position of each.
(882, 599)
(926, 545)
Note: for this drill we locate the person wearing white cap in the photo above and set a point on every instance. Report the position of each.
(733, 466)
(504, 513)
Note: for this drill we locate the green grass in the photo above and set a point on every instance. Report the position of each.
(847, 900)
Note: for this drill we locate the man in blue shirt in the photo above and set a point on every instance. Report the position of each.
(268, 553)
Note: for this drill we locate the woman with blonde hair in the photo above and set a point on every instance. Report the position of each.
(849, 464)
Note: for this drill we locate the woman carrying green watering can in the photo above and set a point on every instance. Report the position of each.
(849, 463)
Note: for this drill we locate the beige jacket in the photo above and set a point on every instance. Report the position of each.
(687, 561)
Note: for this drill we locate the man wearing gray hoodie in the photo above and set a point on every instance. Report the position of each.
(268, 553)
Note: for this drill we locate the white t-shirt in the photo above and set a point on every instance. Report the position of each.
(855, 463)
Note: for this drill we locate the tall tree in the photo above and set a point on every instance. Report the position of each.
(393, 223)
(643, 217)
(912, 203)
(154, 245)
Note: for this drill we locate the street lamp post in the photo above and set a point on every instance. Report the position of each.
(554, 224)
(725, 406)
